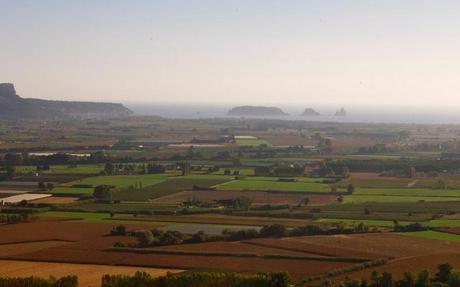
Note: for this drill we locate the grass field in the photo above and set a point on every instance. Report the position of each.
(413, 192)
(254, 184)
(168, 186)
(65, 169)
(434, 235)
(121, 181)
(252, 143)
(394, 198)
(71, 190)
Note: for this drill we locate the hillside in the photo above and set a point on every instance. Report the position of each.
(256, 111)
(13, 106)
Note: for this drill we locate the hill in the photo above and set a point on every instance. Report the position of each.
(13, 106)
(256, 111)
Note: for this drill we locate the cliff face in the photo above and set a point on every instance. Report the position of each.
(14, 107)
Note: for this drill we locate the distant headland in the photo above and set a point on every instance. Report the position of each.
(13, 106)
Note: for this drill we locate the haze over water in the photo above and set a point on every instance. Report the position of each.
(368, 114)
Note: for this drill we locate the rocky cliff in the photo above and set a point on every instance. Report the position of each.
(13, 106)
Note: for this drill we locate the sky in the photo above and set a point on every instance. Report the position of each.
(388, 52)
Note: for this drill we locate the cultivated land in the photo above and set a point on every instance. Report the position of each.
(89, 275)
(349, 199)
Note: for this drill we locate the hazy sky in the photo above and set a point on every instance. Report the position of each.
(267, 52)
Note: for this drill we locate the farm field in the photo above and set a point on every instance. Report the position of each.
(55, 200)
(226, 220)
(177, 177)
(26, 196)
(63, 169)
(267, 185)
(411, 192)
(252, 143)
(88, 248)
(89, 275)
(395, 198)
(257, 197)
(435, 235)
(167, 187)
(121, 181)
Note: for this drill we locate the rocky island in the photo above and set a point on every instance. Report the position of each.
(341, 113)
(256, 111)
(13, 106)
(310, 112)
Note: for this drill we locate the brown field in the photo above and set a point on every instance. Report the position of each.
(88, 275)
(83, 242)
(407, 264)
(222, 220)
(90, 243)
(317, 248)
(384, 244)
(452, 230)
(12, 249)
(257, 197)
(229, 247)
(55, 200)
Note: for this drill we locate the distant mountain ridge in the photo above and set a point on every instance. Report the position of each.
(256, 111)
(13, 106)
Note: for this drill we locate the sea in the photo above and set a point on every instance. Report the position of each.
(361, 114)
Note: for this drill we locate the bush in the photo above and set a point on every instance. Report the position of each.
(274, 230)
(118, 230)
(68, 281)
(199, 279)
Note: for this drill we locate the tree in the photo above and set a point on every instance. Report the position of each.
(444, 273)
(10, 171)
(350, 188)
(306, 201)
(145, 238)
(102, 191)
(118, 230)
(49, 186)
(108, 168)
(274, 230)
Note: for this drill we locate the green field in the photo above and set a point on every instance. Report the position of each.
(71, 191)
(434, 235)
(413, 192)
(388, 198)
(444, 223)
(168, 186)
(252, 143)
(64, 169)
(121, 181)
(253, 184)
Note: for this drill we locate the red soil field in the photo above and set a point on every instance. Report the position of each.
(385, 244)
(228, 247)
(308, 248)
(90, 244)
(452, 230)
